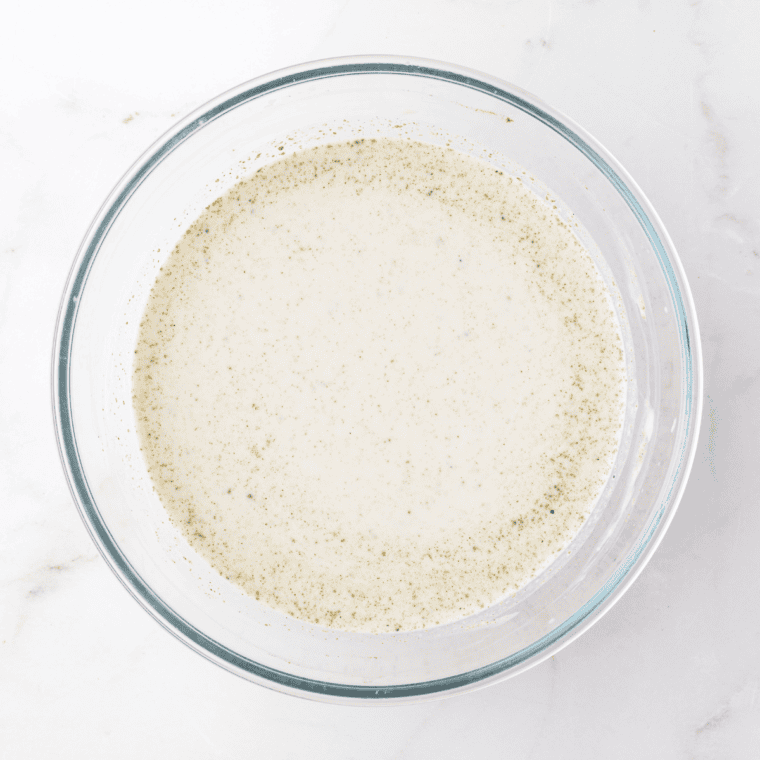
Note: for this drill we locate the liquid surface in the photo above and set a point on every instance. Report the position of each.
(378, 385)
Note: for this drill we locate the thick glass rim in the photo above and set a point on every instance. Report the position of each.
(690, 347)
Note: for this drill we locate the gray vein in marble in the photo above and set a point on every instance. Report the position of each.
(733, 728)
(715, 721)
(40, 583)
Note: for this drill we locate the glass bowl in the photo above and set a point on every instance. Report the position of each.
(198, 160)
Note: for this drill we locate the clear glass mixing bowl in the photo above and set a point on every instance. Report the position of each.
(198, 160)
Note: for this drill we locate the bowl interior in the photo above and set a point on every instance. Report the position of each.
(198, 161)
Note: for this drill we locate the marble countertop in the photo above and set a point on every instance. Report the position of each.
(673, 90)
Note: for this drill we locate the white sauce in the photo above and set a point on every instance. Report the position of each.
(379, 385)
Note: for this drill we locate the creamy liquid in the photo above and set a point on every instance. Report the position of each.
(378, 385)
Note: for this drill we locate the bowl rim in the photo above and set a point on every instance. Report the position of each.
(565, 632)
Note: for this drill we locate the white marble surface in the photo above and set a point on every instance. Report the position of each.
(672, 89)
